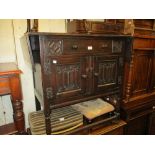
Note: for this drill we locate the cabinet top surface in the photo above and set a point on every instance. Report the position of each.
(9, 68)
(76, 34)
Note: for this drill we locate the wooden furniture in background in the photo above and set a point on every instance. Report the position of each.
(139, 82)
(111, 26)
(139, 86)
(10, 84)
(77, 68)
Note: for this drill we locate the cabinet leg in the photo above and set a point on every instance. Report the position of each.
(18, 116)
(48, 125)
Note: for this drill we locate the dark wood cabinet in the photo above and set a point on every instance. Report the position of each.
(76, 68)
(139, 94)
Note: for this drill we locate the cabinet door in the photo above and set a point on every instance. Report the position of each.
(105, 73)
(68, 77)
(142, 67)
(137, 126)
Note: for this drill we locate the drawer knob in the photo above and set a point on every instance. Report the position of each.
(104, 46)
(74, 47)
(96, 74)
(54, 61)
(84, 76)
(153, 107)
(90, 48)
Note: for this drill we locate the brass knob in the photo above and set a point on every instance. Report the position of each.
(84, 76)
(153, 107)
(75, 47)
(104, 46)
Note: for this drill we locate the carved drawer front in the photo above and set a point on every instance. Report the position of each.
(102, 45)
(77, 45)
(68, 77)
(4, 86)
(106, 73)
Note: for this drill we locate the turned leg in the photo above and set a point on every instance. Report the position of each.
(18, 116)
(48, 124)
(16, 97)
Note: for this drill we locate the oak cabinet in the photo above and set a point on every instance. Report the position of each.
(78, 67)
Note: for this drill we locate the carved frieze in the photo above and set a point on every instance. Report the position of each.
(54, 47)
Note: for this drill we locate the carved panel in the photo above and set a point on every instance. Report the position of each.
(47, 66)
(53, 47)
(107, 72)
(141, 72)
(49, 93)
(68, 77)
(117, 46)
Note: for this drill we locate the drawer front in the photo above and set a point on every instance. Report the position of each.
(94, 45)
(4, 86)
(143, 43)
(141, 110)
(102, 45)
(55, 46)
(77, 45)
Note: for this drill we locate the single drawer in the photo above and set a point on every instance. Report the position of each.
(102, 45)
(143, 110)
(77, 45)
(4, 86)
(144, 43)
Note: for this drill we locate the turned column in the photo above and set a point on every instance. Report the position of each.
(17, 104)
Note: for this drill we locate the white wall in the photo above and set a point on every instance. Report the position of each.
(7, 46)
(54, 25)
(10, 51)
